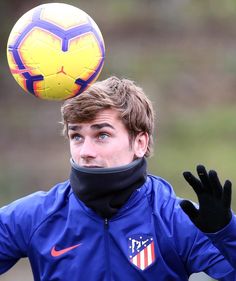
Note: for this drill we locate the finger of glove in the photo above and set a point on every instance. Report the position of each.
(204, 178)
(193, 181)
(227, 192)
(215, 185)
(189, 209)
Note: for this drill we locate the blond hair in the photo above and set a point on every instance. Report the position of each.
(136, 111)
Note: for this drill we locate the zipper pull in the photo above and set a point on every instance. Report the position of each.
(106, 222)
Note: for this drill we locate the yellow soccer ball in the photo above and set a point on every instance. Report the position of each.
(55, 51)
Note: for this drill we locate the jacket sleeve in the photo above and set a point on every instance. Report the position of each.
(215, 254)
(225, 241)
(20, 219)
(14, 233)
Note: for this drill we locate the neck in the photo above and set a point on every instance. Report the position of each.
(106, 190)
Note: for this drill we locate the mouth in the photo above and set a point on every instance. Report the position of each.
(91, 166)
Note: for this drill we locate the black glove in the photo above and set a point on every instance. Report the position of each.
(214, 201)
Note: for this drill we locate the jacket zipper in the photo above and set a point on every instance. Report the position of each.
(107, 248)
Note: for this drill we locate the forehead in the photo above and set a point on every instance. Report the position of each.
(109, 117)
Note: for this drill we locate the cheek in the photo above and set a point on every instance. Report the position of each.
(123, 152)
(73, 151)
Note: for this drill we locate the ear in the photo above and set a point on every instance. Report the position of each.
(141, 144)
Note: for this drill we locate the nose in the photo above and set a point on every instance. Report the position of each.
(88, 149)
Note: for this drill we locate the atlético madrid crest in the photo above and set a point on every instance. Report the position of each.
(141, 250)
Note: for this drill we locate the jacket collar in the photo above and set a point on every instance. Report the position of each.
(106, 190)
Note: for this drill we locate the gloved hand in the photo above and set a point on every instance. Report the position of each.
(214, 211)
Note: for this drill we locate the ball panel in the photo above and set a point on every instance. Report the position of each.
(19, 27)
(91, 80)
(51, 88)
(84, 56)
(16, 72)
(72, 17)
(22, 82)
(42, 52)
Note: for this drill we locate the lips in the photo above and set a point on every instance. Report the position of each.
(91, 166)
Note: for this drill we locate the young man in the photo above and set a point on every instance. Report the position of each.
(110, 220)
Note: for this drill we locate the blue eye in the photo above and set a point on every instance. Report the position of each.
(103, 136)
(76, 137)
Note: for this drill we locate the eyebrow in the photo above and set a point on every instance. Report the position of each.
(93, 127)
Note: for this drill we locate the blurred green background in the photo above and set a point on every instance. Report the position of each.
(182, 52)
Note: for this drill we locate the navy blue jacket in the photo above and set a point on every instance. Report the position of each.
(150, 238)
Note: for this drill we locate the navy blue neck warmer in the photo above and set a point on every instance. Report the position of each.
(105, 190)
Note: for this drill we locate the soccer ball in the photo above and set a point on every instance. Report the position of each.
(55, 51)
